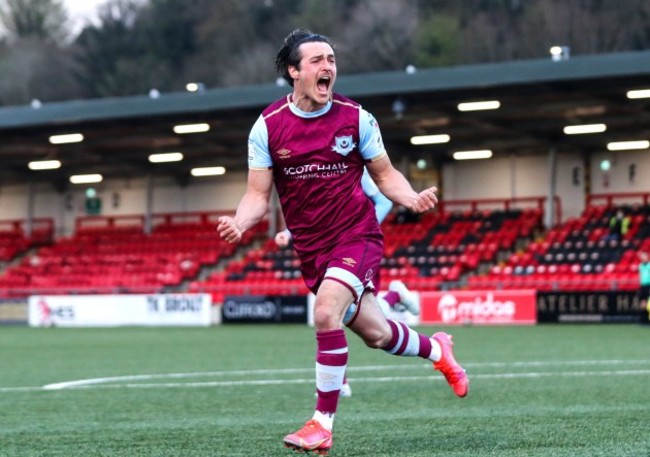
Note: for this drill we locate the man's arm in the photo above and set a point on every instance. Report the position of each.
(253, 206)
(394, 185)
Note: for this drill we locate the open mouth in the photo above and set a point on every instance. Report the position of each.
(323, 84)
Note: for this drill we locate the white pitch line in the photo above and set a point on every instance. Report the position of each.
(20, 389)
(271, 382)
(124, 381)
(272, 371)
(146, 377)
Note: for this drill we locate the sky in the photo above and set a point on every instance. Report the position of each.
(82, 8)
(82, 11)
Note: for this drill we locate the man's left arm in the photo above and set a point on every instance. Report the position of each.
(394, 185)
(390, 181)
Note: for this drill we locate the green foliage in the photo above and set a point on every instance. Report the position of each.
(437, 42)
(548, 390)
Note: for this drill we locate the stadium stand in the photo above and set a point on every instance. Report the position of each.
(433, 252)
(266, 270)
(117, 255)
(479, 244)
(578, 255)
(16, 238)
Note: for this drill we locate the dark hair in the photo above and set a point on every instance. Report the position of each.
(289, 55)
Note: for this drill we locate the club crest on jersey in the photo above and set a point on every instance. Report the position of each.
(344, 145)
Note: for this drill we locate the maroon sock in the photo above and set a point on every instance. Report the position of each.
(407, 342)
(331, 361)
(392, 298)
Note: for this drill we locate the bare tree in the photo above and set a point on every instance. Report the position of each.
(42, 19)
(507, 30)
(35, 62)
(379, 36)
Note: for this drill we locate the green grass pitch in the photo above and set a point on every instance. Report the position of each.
(549, 390)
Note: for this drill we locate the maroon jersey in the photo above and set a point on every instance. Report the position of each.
(317, 169)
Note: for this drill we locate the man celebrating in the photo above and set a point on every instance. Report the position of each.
(313, 145)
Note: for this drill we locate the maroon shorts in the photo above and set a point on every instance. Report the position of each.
(354, 263)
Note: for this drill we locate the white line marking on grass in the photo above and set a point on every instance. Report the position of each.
(102, 382)
(119, 381)
(20, 389)
(147, 377)
(275, 371)
(127, 381)
(271, 382)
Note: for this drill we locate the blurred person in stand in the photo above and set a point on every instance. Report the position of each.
(619, 225)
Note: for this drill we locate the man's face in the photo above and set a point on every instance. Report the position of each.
(315, 79)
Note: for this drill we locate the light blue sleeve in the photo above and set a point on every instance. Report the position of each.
(371, 144)
(382, 204)
(259, 156)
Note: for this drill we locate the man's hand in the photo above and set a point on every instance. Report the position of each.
(282, 238)
(425, 200)
(229, 230)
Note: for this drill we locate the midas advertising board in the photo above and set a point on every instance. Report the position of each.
(496, 307)
(117, 310)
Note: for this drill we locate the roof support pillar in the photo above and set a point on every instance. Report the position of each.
(549, 218)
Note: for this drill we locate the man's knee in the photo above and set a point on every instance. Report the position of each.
(375, 339)
(327, 313)
(324, 317)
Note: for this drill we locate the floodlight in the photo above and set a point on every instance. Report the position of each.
(479, 106)
(66, 138)
(44, 165)
(430, 139)
(86, 179)
(471, 155)
(208, 171)
(166, 157)
(191, 128)
(585, 128)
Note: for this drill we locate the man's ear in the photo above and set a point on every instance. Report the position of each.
(293, 72)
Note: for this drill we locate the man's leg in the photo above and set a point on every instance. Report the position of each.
(408, 299)
(332, 301)
(398, 339)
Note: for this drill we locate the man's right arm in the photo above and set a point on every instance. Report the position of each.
(252, 208)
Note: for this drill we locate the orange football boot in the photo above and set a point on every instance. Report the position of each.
(448, 366)
(313, 437)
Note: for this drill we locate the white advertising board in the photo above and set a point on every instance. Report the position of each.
(120, 310)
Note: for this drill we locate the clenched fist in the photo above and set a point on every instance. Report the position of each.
(229, 230)
(425, 200)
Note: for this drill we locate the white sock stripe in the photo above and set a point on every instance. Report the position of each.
(413, 345)
(400, 338)
(329, 378)
(335, 351)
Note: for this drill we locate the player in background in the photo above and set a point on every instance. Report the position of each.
(644, 287)
(398, 297)
(313, 146)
